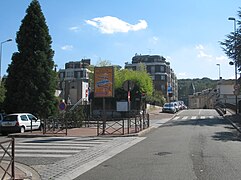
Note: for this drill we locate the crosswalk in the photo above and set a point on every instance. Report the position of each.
(196, 117)
(55, 147)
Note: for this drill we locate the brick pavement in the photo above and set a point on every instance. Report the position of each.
(92, 130)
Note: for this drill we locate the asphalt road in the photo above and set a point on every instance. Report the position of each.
(196, 144)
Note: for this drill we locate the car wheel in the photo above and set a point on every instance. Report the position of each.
(22, 129)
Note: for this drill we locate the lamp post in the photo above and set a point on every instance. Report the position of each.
(219, 71)
(1, 57)
(235, 64)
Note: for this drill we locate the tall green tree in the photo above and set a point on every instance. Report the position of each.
(2, 95)
(232, 44)
(142, 80)
(31, 80)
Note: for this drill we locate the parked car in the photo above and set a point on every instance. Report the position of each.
(19, 122)
(169, 107)
(176, 104)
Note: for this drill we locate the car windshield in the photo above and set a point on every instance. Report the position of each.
(168, 105)
(10, 118)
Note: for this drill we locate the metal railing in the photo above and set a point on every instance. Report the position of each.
(125, 125)
(8, 147)
(55, 125)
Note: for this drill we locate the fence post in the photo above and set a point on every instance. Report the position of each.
(13, 158)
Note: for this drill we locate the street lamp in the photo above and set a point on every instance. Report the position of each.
(219, 72)
(1, 56)
(235, 64)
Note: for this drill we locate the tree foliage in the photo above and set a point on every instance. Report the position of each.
(102, 63)
(199, 84)
(31, 80)
(232, 44)
(142, 80)
(2, 95)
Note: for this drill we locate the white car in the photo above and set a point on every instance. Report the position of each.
(19, 122)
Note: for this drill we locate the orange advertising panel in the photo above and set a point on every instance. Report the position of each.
(104, 81)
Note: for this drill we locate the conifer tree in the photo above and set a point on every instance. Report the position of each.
(31, 81)
(232, 44)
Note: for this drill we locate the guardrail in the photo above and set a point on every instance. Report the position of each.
(8, 147)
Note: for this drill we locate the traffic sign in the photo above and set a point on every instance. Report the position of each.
(128, 85)
(236, 86)
(62, 106)
(169, 89)
(236, 92)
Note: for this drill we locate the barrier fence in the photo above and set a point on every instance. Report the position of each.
(8, 167)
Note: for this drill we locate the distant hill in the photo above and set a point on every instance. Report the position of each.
(184, 86)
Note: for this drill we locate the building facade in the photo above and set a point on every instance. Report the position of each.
(74, 81)
(164, 78)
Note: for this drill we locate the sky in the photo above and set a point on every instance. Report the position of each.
(186, 32)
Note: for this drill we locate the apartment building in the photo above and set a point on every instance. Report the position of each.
(74, 81)
(164, 78)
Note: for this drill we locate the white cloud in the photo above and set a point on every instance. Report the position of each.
(67, 47)
(110, 25)
(74, 29)
(202, 54)
(222, 58)
(154, 40)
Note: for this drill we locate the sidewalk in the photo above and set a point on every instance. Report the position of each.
(234, 119)
(21, 172)
(86, 131)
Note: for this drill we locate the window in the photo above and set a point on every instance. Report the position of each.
(23, 118)
(70, 74)
(152, 69)
(163, 88)
(77, 74)
(157, 77)
(11, 118)
(31, 117)
(157, 68)
(61, 75)
(163, 77)
(162, 68)
(148, 69)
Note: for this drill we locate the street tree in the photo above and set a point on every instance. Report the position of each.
(31, 80)
(2, 95)
(143, 82)
(232, 44)
(102, 63)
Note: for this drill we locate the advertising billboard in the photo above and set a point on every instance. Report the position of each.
(104, 81)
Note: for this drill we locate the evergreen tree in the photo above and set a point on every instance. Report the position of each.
(232, 44)
(31, 81)
(2, 95)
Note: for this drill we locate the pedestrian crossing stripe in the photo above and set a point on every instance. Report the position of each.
(196, 117)
(54, 147)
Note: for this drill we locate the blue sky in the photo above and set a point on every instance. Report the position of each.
(186, 32)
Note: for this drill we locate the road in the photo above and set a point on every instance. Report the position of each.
(196, 144)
